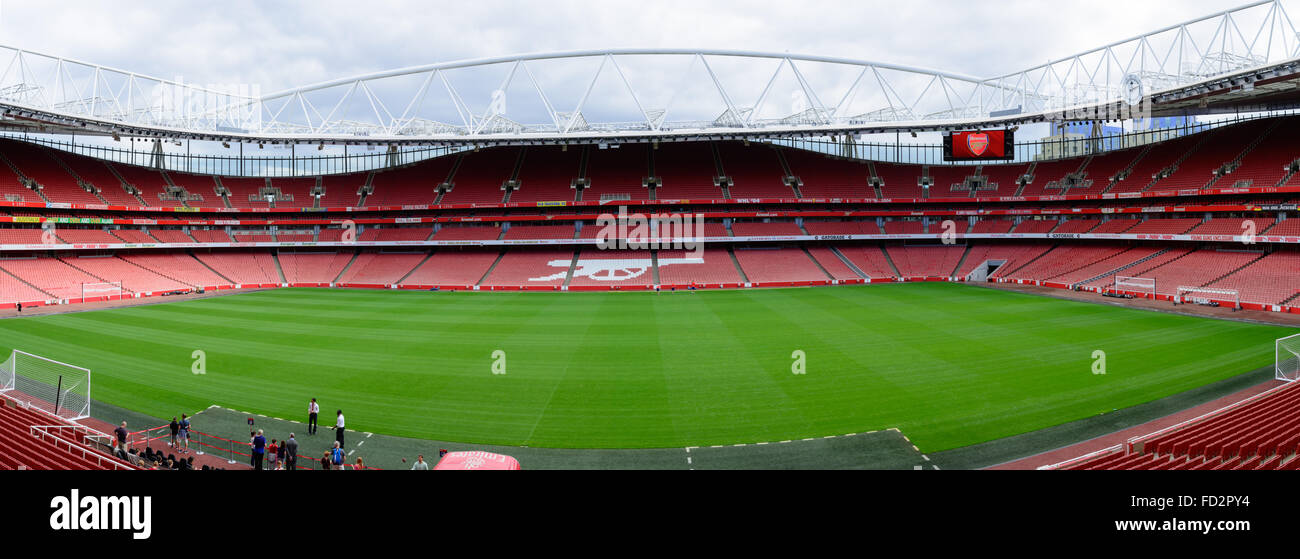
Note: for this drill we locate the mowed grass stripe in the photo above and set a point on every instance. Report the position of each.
(950, 365)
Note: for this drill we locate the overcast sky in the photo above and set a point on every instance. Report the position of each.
(285, 44)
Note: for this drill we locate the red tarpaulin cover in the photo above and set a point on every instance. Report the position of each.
(476, 460)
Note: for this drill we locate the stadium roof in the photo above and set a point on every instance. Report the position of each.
(1243, 59)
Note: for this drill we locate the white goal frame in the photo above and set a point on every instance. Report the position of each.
(43, 383)
(1286, 358)
(1232, 293)
(121, 293)
(1135, 283)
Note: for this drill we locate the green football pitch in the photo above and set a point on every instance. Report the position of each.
(948, 365)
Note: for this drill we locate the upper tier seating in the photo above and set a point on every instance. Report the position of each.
(1162, 226)
(540, 232)
(686, 171)
(547, 175)
(617, 174)
(413, 185)
(755, 170)
(391, 233)
(759, 229)
(480, 177)
(827, 177)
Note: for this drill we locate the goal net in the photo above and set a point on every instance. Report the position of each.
(109, 290)
(46, 384)
(1146, 286)
(1287, 355)
(1208, 296)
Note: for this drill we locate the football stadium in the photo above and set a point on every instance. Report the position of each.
(662, 258)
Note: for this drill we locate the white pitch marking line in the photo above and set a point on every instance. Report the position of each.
(741, 444)
(927, 458)
(361, 443)
(785, 441)
(761, 443)
(808, 439)
(351, 451)
(688, 459)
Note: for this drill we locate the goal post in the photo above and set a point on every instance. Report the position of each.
(1287, 358)
(1207, 296)
(109, 290)
(52, 386)
(1135, 284)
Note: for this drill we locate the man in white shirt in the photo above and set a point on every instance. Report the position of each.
(420, 464)
(313, 409)
(338, 429)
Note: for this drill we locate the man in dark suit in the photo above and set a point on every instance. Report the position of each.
(291, 453)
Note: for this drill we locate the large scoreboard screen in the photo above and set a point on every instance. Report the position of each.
(979, 145)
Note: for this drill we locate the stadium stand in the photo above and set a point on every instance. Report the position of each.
(833, 264)
(410, 185)
(1271, 280)
(177, 266)
(712, 266)
(468, 233)
(381, 268)
(313, 267)
(452, 267)
(616, 173)
(686, 171)
(531, 268)
(547, 174)
(134, 236)
(1035, 226)
(24, 446)
(613, 269)
(540, 232)
(134, 278)
(176, 236)
(776, 265)
(1260, 433)
(480, 176)
(870, 259)
(760, 229)
(755, 171)
(50, 275)
(395, 234)
(244, 268)
(826, 177)
(926, 261)
(86, 236)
